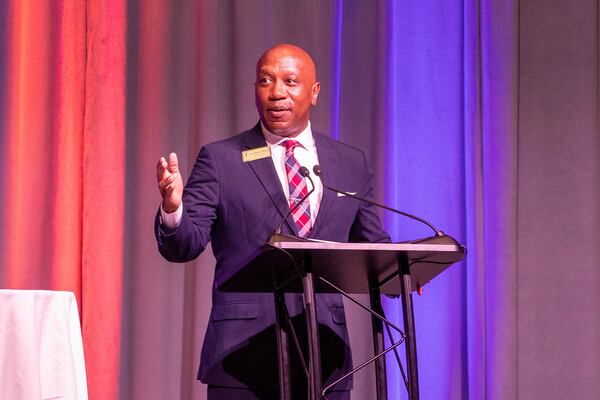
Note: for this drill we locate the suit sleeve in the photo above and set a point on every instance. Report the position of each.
(200, 207)
(367, 225)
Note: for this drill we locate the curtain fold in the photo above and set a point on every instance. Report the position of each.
(67, 108)
(499, 166)
(42, 123)
(104, 193)
(474, 205)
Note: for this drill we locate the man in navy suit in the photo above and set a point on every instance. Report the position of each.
(237, 193)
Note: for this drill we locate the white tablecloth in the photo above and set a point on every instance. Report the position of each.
(41, 352)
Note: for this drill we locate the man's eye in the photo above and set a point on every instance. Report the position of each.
(264, 81)
(291, 81)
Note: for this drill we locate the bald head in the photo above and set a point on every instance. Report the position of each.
(285, 89)
(290, 50)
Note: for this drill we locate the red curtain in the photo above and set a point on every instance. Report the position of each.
(63, 101)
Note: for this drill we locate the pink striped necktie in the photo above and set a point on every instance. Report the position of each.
(298, 189)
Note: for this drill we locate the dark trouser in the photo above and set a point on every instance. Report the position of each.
(228, 393)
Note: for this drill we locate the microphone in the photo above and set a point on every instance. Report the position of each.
(318, 172)
(305, 173)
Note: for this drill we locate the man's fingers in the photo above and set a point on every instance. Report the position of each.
(161, 168)
(163, 183)
(169, 180)
(173, 163)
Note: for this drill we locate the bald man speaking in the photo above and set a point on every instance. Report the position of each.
(238, 191)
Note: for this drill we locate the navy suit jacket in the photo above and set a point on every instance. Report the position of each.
(237, 205)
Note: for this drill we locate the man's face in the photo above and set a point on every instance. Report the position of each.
(285, 90)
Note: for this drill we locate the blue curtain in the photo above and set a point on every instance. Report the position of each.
(429, 90)
(431, 45)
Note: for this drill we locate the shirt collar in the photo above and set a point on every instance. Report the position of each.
(305, 138)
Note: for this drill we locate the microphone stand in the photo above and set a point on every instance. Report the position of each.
(318, 172)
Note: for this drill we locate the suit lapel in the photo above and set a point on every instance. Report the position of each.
(266, 174)
(327, 161)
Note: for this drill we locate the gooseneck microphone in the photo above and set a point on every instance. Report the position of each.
(305, 173)
(318, 172)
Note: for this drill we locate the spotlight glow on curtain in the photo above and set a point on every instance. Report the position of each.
(443, 142)
(63, 143)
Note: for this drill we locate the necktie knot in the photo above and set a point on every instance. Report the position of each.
(290, 145)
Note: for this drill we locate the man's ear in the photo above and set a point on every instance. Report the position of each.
(316, 87)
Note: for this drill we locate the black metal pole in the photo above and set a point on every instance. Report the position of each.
(409, 326)
(378, 344)
(282, 347)
(314, 356)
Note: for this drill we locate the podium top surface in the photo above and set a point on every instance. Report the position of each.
(423, 247)
(353, 267)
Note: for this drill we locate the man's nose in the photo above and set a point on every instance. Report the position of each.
(277, 90)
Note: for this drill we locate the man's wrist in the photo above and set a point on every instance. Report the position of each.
(171, 219)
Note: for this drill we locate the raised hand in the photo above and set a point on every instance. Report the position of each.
(170, 183)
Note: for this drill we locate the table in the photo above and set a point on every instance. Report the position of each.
(41, 350)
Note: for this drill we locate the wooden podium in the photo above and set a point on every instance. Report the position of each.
(292, 265)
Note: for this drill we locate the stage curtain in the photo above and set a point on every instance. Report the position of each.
(63, 143)
(479, 115)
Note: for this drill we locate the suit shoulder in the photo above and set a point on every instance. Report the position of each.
(246, 139)
(339, 147)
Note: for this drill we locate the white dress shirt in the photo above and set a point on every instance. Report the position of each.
(306, 155)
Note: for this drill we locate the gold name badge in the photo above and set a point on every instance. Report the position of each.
(256, 154)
